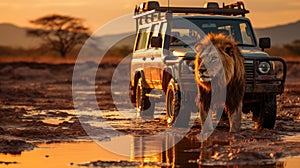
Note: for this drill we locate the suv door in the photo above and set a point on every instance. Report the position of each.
(156, 62)
(142, 55)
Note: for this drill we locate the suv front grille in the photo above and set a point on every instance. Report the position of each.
(249, 71)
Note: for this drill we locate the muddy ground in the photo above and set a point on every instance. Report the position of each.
(36, 105)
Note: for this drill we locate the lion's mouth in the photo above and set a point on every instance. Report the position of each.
(205, 78)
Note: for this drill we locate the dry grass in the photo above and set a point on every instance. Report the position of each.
(55, 59)
(72, 60)
(37, 59)
(291, 58)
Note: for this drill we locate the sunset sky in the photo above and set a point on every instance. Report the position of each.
(264, 13)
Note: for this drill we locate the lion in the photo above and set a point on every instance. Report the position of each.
(220, 62)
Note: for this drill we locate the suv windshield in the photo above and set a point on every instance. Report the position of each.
(183, 33)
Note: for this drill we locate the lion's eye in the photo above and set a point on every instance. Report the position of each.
(228, 51)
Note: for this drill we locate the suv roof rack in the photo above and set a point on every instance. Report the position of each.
(152, 10)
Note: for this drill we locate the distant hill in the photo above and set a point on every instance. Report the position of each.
(282, 34)
(123, 39)
(16, 37)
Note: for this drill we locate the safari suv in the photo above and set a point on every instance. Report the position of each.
(162, 65)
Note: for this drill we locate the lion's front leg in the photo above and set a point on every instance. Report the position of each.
(206, 119)
(235, 118)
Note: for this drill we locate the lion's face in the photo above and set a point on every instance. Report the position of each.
(217, 57)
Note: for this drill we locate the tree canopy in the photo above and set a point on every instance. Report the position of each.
(61, 32)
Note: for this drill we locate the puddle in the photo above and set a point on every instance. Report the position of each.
(295, 138)
(54, 117)
(91, 92)
(292, 162)
(146, 151)
(60, 155)
(153, 152)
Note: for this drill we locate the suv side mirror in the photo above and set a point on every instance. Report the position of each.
(264, 43)
(156, 42)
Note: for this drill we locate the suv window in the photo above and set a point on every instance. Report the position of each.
(239, 29)
(154, 33)
(246, 34)
(183, 36)
(142, 39)
(183, 33)
(155, 30)
(163, 30)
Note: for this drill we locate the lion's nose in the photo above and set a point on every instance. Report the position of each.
(202, 69)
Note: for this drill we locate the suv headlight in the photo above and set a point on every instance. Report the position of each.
(264, 67)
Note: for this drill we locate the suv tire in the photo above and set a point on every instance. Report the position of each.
(265, 115)
(142, 102)
(174, 117)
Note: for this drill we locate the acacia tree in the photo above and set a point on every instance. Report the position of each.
(61, 32)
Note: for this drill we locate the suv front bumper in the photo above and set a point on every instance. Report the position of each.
(265, 83)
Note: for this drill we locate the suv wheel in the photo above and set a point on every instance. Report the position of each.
(142, 102)
(173, 101)
(265, 115)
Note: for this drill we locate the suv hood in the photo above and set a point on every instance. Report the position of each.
(182, 52)
(254, 53)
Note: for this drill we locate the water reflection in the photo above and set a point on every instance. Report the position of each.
(191, 153)
(59, 155)
(144, 152)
